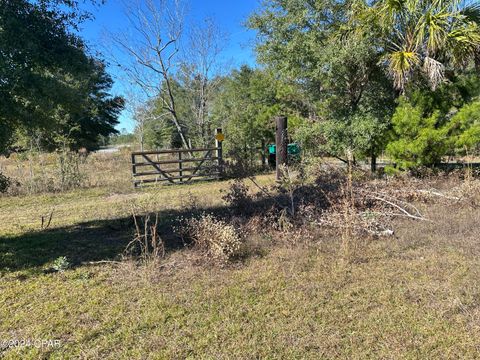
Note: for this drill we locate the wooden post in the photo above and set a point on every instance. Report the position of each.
(373, 164)
(180, 166)
(281, 142)
(218, 145)
(134, 169)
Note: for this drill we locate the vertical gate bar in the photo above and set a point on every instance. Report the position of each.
(218, 145)
(134, 170)
(180, 166)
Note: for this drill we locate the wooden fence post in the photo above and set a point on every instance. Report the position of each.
(180, 166)
(218, 145)
(134, 169)
(281, 143)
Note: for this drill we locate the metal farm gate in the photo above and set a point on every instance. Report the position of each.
(178, 166)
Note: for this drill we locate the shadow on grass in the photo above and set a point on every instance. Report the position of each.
(102, 240)
(91, 241)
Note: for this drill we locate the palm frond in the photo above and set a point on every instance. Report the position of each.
(464, 43)
(434, 70)
(401, 64)
(436, 32)
(471, 13)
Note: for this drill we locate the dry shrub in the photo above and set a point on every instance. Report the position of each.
(367, 210)
(190, 202)
(146, 244)
(35, 172)
(346, 201)
(70, 175)
(291, 181)
(214, 238)
(467, 192)
(237, 196)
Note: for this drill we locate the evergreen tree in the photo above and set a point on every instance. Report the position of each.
(49, 84)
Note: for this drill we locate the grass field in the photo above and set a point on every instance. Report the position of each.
(415, 295)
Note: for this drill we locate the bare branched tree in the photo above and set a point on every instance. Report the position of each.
(134, 107)
(203, 67)
(152, 49)
(145, 116)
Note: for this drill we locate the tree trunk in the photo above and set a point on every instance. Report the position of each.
(373, 163)
(281, 145)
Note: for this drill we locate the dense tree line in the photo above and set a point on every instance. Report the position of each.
(357, 79)
(360, 60)
(54, 93)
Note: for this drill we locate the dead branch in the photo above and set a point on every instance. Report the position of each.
(47, 225)
(392, 199)
(439, 194)
(101, 262)
(404, 212)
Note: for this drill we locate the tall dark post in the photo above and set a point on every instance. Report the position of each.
(218, 144)
(373, 164)
(281, 142)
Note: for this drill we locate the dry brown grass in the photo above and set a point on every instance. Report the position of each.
(415, 295)
(33, 173)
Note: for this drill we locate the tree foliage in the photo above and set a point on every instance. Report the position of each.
(246, 105)
(428, 38)
(49, 84)
(429, 125)
(349, 97)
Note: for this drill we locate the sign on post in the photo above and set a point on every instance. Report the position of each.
(219, 137)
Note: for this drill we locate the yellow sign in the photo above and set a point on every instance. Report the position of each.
(220, 137)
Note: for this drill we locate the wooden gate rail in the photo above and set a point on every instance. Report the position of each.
(196, 168)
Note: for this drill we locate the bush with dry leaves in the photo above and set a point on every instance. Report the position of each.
(215, 239)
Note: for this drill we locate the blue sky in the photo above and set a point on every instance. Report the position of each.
(228, 14)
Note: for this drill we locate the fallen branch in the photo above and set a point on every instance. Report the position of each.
(101, 262)
(437, 193)
(391, 199)
(49, 221)
(404, 212)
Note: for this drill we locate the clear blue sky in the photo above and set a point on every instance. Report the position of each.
(228, 14)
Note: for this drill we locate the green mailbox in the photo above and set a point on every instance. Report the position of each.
(293, 151)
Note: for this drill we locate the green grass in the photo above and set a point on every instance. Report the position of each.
(414, 296)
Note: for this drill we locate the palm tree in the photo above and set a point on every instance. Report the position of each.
(429, 36)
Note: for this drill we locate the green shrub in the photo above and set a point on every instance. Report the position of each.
(465, 127)
(419, 139)
(61, 264)
(430, 125)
